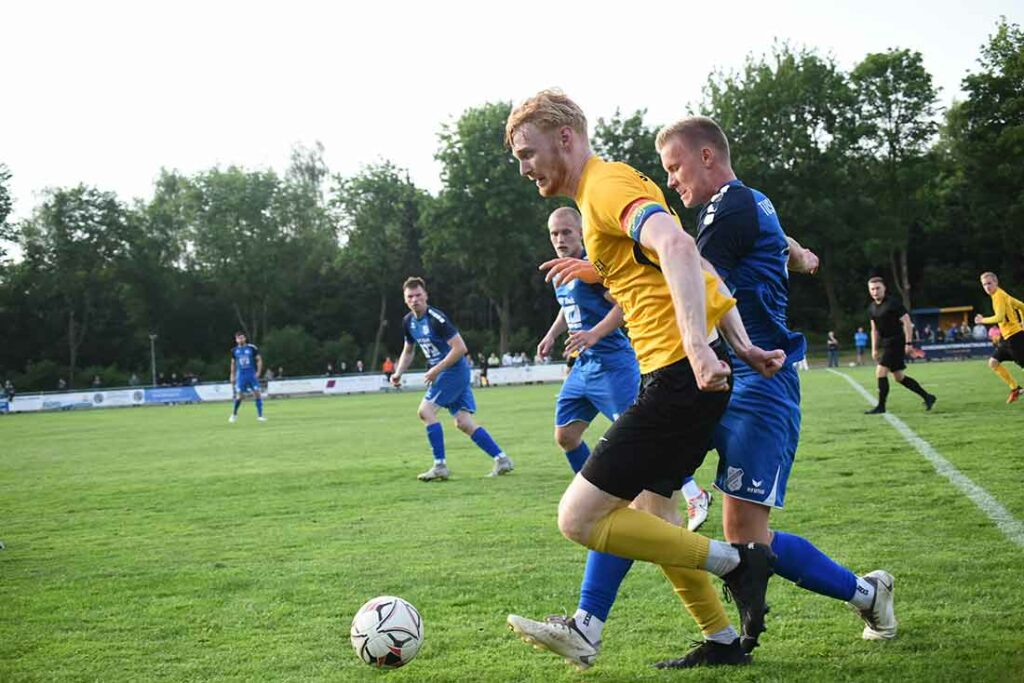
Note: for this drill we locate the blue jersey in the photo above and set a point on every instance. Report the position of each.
(432, 333)
(584, 306)
(245, 358)
(740, 235)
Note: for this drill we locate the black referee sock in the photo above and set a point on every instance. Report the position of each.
(883, 391)
(911, 383)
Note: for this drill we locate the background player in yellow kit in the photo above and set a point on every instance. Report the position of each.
(1009, 315)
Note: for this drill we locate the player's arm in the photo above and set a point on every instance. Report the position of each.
(408, 351)
(999, 311)
(680, 264)
(801, 259)
(259, 365)
(874, 340)
(557, 329)
(456, 350)
(584, 339)
(566, 269)
(766, 363)
(231, 374)
(908, 329)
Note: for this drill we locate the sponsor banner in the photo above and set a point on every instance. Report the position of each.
(171, 395)
(214, 392)
(120, 398)
(358, 384)
(956, 350)
(291, 387)
(553, 372)
(5, 405)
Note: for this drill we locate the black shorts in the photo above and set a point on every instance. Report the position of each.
(894, 355)
(662, 438)
(1011, 348)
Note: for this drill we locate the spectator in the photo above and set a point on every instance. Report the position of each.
(965, 331)
(980, 332)
(330, 369)
(995, 335)
(269, 374)
(133, 381)
(860, 340)
(929, 334)
(359, 365)
(833, 350)
(343, 368)
(175, 382)
(940, 336)
(507, 359)
(492, 360)
(161, 380)
(9, 390)
(96, 382)
(280, 372)
(61, 384)
(388, 367)
(485, 363)
(953, 335)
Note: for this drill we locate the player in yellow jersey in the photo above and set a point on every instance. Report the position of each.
(1009, 315)
(625, 501)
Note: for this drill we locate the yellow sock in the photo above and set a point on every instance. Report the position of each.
(642, 536)
(1005, 375)
(694, 588)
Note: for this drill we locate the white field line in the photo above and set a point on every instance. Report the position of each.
(1007, 523)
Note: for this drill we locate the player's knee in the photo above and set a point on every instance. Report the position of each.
(465, 424)
(993, 363)
(572, 526)
(566, 440)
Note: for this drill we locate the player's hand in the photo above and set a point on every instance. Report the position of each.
(811, 262)
(567, 269)
(545, 346)
(396, 379)
(578, 342)
(711, 372)
(431, 374)
(978, 318)
(766, 363)
(875, 355)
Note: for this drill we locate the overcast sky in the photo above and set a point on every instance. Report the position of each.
(107, 93)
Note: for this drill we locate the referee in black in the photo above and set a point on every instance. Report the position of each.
(890, 340)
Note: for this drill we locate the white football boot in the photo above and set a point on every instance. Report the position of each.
(880, 618)
(697, 510)
(558, 634)
(439, 472)
(502, 465)
(233, 419)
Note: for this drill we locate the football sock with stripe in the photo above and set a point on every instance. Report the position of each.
(482, 439)
(435, 435)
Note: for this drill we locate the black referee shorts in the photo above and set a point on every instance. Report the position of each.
(662, 438)
(1011, 348)
(894, 354)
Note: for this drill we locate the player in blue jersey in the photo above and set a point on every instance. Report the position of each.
(246, 368)
(447, 377)
(605, 378)
(740, 236)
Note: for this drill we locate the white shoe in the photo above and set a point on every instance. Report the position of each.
(697, 510)
(261, 419)
(880, 618)
(557, 634)
(439, 472)
(233, 419)
(502, 465)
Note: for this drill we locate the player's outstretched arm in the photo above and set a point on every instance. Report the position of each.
(566, 269)
(680, 263)
(259, 365)
(403, 364)
(801, 259)
(231, 373)
(557, 329)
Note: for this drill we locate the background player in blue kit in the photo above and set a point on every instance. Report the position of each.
(246, 368)
(448, 378)
(605, 378)
(740, 235)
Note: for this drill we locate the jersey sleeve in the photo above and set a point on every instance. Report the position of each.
(899, 310)
(405, 329)
(443, 327)
(624, 202)
(729, 229)
(255, 351)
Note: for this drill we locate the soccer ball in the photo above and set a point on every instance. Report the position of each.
(387, 632)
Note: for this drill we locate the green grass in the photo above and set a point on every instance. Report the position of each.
(165, 544)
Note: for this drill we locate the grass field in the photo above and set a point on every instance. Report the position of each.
(165, 544)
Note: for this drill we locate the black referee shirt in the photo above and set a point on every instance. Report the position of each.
(886, 317)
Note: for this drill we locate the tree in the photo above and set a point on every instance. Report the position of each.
(7, 233)
(488, 223)
(73, 243)
(896, 112)
(380, 219)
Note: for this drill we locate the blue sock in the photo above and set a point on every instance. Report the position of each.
(259, 407)
(806, 566)
(435, 435)
(482, 439)
(601, 581)
(578, 456)
(238, 402)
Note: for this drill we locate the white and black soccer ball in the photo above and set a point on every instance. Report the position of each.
(387, 632)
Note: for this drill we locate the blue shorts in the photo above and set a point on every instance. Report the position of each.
(246, 382)
(757, 437)
(591, 388)
(452, 390)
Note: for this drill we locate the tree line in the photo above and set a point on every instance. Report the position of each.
(862, 165)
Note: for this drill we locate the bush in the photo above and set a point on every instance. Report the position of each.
(41, 376)
(292, 348)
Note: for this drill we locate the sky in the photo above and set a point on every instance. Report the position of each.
(107, 93)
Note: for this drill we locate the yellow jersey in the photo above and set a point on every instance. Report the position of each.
(1009, 314)
(615, 200)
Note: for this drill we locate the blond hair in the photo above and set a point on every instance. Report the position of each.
(696, 131)
(570, 213)
(991, 275)
(548, 109)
